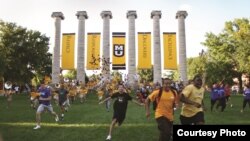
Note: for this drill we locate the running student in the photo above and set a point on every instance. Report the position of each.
(164, 112)
(222, 98)
(120, 107)
(192, 97)
(63, 99)
(8, 93)
(227, 90)
(44, 100)
(246, 98)
(107, 93)
(214, 95)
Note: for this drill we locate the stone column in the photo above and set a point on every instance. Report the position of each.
(131, 15)
(106, 16)
(181, 15)
(58, 16)
(156, 15)
(81, 15)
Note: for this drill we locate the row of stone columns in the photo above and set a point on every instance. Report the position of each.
(106, 16)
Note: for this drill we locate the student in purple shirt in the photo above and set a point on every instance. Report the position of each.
(44, 101)
(246, 98)
(222, 98)
(214, 95)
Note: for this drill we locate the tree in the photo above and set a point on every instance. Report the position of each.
(24, 53)
(71, 74)
(172, 74)
(230, 49)
(196, 65)
(146, 74)
(219, 71)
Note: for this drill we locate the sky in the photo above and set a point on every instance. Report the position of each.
(203, 16)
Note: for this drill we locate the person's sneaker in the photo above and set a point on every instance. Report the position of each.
(108, 138)
(62, 116)
(37, 127)
(241, 111)
(66, 109)
(56, 118)
(231, 105)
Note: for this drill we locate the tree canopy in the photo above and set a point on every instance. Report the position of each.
(23, 53)
(228, 53)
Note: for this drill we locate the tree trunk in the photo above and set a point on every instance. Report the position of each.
(240, 83)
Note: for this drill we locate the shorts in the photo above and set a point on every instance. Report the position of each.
(197, 118)
(41, 108)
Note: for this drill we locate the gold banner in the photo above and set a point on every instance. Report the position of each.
(144, 50)
(68, 51)
(93, 52)
(119, 59)
(170, 54)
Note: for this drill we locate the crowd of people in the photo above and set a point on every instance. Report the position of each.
(166, 96)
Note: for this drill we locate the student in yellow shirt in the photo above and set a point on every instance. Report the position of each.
(83, 93)
(166, 99)
(100, 93)
(72, 94)
(34, 96)
(192, 112)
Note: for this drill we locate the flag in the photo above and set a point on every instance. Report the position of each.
(170, 57)
(119, 59)
(93, 51)
(68, 51)
(144, 50)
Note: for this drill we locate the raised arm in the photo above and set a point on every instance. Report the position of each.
(138, 103)
(108, 98)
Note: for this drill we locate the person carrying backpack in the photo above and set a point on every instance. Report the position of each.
(165, 98)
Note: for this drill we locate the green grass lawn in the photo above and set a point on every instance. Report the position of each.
(90, 121)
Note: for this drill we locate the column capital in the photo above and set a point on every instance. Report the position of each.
(82, 13)
(57, 14)
(155, 13)
(106, 14)
(181, 14)
(131, 13)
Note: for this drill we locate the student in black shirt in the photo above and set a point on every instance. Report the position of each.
(63, 98)
(119, 107)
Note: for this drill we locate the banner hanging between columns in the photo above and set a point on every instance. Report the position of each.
(68, 51)
(93, 51)
(170, 57)
(119, 59)
(144, 50)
